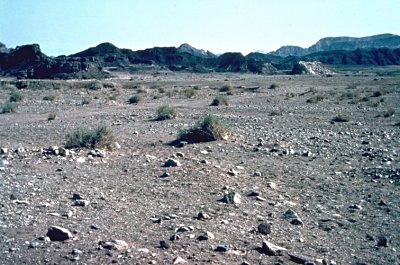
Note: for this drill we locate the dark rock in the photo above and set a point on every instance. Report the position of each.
(56, 233)
(300, 259)
(221, 248)
(164, 245)
(271, 249)
(383, 241)
(264, 228)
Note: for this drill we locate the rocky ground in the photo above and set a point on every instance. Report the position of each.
(290, 186)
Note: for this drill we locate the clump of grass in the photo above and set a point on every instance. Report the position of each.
(209, 128)
(352, 86)
(227, 88)
(109, 85)
(273, 86)
(96, 85)
(289, 95)
(340, 118)
(84, 137)
(166, 112)
(351, 95)
(49, 97)
(276, 113)
(315, 99)
(189, 92)
(86, 101)
(51, 117)
(161, 90)
(16, 96)
(220, 100)
(135, 99)
(21, 84)
(142, 90)
(389, 113)
(9, 107)
(377, 94)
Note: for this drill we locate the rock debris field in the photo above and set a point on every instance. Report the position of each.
(309, 173)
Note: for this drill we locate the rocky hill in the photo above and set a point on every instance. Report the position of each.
(28, 61)
(390, 41)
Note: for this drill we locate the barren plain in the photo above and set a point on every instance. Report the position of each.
(310, 188)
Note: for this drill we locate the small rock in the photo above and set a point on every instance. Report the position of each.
(144, 250)
(202, 216)
(221, 248)
(257, 173)
(33, 244)
(180, 154)
(164, 245)
(76, 196)
(183, 229)
(56, 233)
(383, 241)
(355, 207)
(114, 245)
(80, 160)
(82, 203)
(232, 198)
(206, 236)
(271, 185)
(117, 145)
(261, 199)
(172, 163)
(63, 152)
(95, 226)
(300, 258)
(264, 228)
(165, 175)
(174, 237)
(182, 144)
(20, 150)
(3, 151)
(296, 221)
(233, 172)
(76, 251)
(179, 260)
(290, 214)
(271, 249)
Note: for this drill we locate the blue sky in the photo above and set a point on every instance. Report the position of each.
(70, 26)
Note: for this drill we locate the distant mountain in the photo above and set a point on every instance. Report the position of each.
(390, 41)
(195, 52)
(28, 61)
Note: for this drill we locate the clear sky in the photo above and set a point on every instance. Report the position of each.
(70, 26)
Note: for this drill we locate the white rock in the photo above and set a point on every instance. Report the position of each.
(80, 160)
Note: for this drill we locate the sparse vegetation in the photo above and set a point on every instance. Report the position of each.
(220, 100)
(377, 94)
(16, 96)
(209, 128)
(229, 89)
(96, 85)
(273, 86)
(389, 113)
(135, 99)
(340, 118)
(276, 113)
(84, 137)
(315, 99)
(49, 97)
(189, 92)
(51, 117)
(166, 112)
(9, 107)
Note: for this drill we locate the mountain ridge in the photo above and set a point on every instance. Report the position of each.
(28, 61)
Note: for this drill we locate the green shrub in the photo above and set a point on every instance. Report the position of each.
(135, 99)
(315, 99)
(340, 118)
(9, 107)
(51, 117)
(49, 97)
(189, 92)
(166, 112)
(273, 86)
(227, 89)
(16, 96)
(220, 100)
(84, 137)
(96, 85)
(209, 128)
(389, 113)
